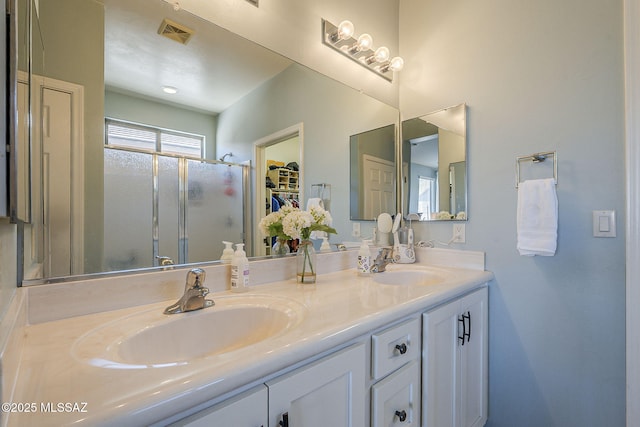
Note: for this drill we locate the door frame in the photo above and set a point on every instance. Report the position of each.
(76, 92)
(260, 190)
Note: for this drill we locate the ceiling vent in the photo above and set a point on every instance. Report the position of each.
(175, 31)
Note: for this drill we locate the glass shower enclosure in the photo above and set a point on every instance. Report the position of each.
(159, 205)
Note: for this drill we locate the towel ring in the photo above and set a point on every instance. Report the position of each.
(538, 158)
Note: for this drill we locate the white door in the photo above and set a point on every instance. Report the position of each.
(247, 410)
(474, 387)
(454, 377)
(329, 392)
(440, 366)
(56, 181)
(395, 401)
(378, 186)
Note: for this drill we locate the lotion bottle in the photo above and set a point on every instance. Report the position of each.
(227, 253)
(364, 259)
(239, 270)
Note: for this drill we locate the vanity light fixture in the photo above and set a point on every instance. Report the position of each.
(360, 49)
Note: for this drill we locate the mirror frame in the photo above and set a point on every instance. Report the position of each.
(404, 198)
(11, 209)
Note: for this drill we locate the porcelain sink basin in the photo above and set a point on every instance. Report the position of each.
(409, 277)
(153, 339)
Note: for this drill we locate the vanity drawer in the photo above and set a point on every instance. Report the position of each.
(394, 347)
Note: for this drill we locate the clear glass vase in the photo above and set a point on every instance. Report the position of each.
(306, 262)
(280, 248)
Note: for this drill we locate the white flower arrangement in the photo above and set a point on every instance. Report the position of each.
(292, 223)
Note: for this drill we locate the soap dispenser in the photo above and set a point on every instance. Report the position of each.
(364, 259)
(227, 253)
(239, 270)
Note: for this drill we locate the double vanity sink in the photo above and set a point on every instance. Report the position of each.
(135, 365)
(151, 339)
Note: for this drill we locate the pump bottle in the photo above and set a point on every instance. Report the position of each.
(239, 270)
(227, 253)
(364, 259)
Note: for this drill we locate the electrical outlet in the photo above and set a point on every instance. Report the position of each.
(458, 233)
(355, 232)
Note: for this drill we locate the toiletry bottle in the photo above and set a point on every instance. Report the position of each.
(364, 259)
(325, 247)
(239, 270)
(227, 253)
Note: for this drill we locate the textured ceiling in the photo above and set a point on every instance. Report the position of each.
(211, 72)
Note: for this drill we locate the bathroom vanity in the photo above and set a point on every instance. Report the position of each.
(407, 347)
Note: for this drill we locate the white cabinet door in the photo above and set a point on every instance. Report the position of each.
(395, 401)
(454, 382)
(328, 392)
(474, 362)
(248, 409)
(440, 366)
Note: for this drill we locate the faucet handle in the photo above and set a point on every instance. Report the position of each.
(195, 278)
(384, 253)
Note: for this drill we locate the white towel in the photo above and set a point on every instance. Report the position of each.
(537, 219)
(316, 201)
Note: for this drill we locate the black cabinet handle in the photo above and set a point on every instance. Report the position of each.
(464, 329)
(285, 420)
(467, 334)
(402, 348)
(402, 415)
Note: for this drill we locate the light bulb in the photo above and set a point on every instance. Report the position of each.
(381, 54)
(345, 30)
(396, 64)
(365, 42)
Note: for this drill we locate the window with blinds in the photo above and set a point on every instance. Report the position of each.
(148, 138)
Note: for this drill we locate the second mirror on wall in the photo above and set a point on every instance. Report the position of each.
(434, 165)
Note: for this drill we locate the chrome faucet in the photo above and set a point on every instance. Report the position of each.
(194, 293)
(165, 261)
(385, 256)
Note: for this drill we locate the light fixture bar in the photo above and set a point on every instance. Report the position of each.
(376, 60)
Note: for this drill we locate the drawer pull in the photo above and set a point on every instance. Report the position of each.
(402, 348)
(285, 420)
(402, 415)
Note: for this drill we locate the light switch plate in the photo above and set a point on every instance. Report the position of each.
(459, 235)
(604, 223)
(355, 232)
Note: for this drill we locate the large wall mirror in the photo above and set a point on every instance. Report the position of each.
(107, 60)
(434, 165)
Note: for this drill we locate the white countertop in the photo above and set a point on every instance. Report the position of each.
(339, 308)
